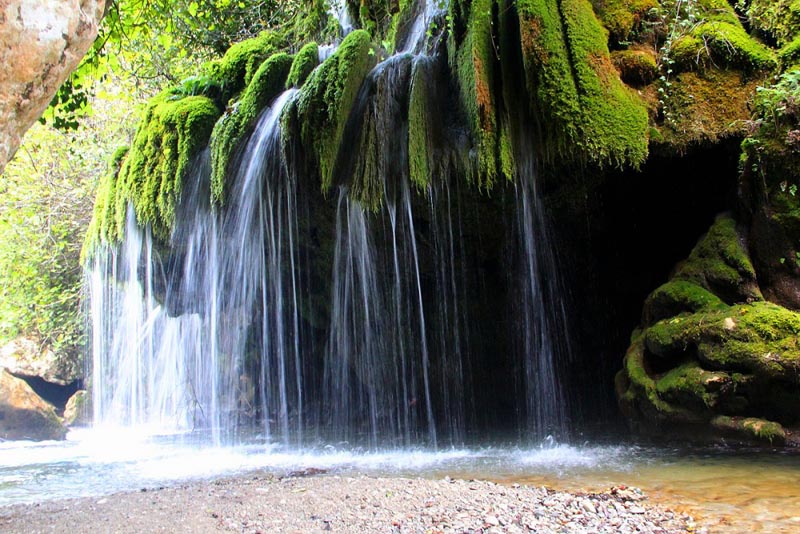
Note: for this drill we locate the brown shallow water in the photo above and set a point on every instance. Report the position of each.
(738, 494)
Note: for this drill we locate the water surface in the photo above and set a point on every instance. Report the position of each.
(729, 490)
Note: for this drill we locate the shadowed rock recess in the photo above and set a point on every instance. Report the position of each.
(460, 225)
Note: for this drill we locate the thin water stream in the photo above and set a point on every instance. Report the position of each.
(726, 490)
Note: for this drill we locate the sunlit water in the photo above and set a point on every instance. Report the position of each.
(731, 491)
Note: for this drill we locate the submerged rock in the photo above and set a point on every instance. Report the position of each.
(23, 414)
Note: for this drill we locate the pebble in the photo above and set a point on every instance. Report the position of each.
(365, 504)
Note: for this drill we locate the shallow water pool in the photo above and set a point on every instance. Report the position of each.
(728, 490)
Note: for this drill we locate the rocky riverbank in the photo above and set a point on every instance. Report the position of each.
(300, 503)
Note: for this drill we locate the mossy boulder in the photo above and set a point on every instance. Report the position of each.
(713, 359)
(317, 117)
(305, 61)
(267, 83)
(237, 67)
(622, 17)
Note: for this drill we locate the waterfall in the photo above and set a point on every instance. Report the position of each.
(236, 295)
(542, 320)
(338, 10)
(416, 38)
(426, 319)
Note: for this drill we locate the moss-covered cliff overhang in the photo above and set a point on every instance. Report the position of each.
(150, 176)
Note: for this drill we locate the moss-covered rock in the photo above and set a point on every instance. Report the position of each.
(236, 68)
(321, 109)
(750, 429)
(720, 264)
(702, 107)
(725, 44)
(711, 347)
(636, 67)
(474, 60)
(103, 225)
(305, 61)
(575, 89)
(676, 297)
(622, 17)
(170, 135)
(267, 83)
(150, 175)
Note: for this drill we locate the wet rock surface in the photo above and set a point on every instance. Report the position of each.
(263, 503)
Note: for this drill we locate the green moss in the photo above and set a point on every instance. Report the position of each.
(267, 82)
(622, 17)
(636, 67)
(102, 226)
(575, 90)
(706, 106)
(759, 338)
(640, 399)
(721, 264)
(475, 63)
(236, 68)
(419, 144)
(775, 19)
(751, 429)
(323, 105)
(170, 135)
(305, 62)
(692, 386)
(676, 297)
(728, 44)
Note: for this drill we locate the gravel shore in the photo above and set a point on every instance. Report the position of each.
(323, 503)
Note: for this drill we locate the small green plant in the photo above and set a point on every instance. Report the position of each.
(679, 18)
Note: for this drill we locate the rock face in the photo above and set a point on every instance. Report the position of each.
(77, 411)
(23, 414)
(23, 357)
(43, 42)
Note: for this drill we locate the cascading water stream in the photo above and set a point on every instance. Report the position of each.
(188, 367)
(220, 332)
